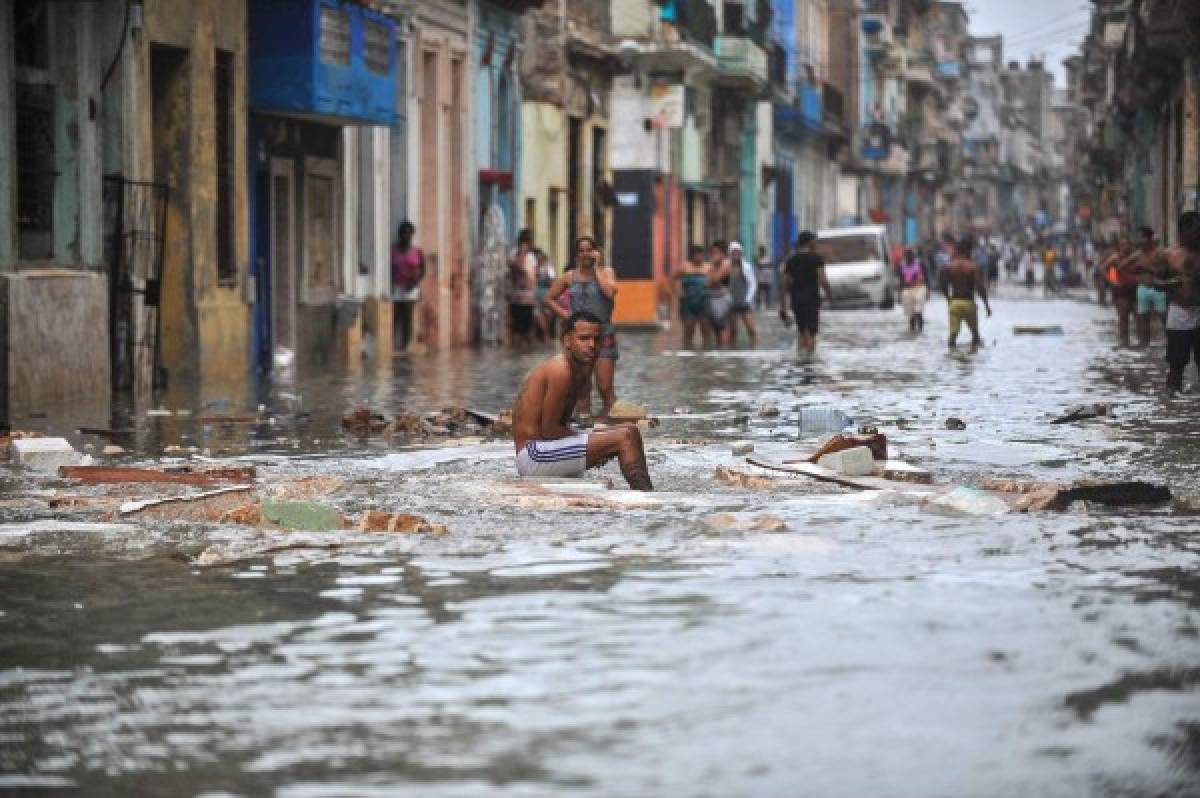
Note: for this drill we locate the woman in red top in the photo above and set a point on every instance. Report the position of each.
(408, 270)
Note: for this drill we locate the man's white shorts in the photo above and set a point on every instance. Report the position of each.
(565, 457)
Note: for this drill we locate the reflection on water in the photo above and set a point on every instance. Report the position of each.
(871, 649)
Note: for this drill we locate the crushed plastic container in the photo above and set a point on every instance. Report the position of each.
(823, 420)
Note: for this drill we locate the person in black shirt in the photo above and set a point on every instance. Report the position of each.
(802, 282)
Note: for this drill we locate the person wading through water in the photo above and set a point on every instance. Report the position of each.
(693, 298)
(1119, 271)
(592, 287)
(408, 270)
(801, 283)
(961, 280)
(743, 284)
(914, 292)
(546, 445)
(720, 301)
(1178, 272)
(522, 289)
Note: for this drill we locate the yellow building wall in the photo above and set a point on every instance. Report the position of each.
(205, 323)
(544, 174)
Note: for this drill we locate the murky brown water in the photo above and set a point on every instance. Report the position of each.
(873, 649)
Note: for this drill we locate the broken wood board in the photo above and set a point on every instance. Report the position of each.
(109, 475)
(207, 506)
(858, 483)
(555, 494)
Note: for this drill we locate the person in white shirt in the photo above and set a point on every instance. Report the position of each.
(743, 284)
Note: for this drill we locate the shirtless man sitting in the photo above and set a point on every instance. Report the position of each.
(961, 280)
(546, 445)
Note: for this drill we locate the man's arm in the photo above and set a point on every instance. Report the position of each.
(823, 281)
(556, 403)
(944, 278)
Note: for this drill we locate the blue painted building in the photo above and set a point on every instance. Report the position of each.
(497, 106)
(496, 116)
(317, 69)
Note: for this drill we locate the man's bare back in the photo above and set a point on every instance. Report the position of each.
(962, 278)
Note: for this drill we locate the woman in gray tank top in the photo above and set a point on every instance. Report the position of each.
(591, 286)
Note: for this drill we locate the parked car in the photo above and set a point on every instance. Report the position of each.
(857, 264)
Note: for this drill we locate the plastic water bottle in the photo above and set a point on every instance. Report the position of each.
(823, 420)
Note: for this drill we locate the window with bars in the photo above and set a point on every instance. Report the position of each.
(377, 41)
(35, 170)
(335, 36)
(223, 113)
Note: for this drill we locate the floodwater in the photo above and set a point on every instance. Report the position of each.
(874, 648)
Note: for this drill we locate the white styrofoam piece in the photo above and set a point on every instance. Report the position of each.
(44, 454)
(856, 462)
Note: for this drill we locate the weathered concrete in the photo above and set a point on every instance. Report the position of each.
(53, 338)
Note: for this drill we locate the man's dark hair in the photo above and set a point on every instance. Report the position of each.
(806, 238)
(583, 238)
(719, 244)
(1146, 232)
(694, 250)
(578, 316)
(525, 237)
(405, 230)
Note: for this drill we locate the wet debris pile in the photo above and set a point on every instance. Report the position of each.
(1084, 412)
(1049, 496)
(448, 422)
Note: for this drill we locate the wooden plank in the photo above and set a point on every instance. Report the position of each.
(108, 475)
(827, 475)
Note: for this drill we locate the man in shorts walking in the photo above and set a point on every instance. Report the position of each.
(801, 283)
(961, 280)
(546, 444)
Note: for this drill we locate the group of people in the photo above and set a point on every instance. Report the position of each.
(717, 295)
(1159, 286)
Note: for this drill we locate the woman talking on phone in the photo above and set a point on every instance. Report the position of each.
(591, 286)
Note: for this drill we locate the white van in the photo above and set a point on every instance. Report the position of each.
(858, 266)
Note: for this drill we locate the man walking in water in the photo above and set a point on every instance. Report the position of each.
(1178, 271)
(801, 283)
(546, 446)
(961, 280)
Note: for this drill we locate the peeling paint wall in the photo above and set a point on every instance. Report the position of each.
(205, 320)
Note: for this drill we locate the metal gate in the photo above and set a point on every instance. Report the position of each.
(135, 220)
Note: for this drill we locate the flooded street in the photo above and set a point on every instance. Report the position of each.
(634, 646)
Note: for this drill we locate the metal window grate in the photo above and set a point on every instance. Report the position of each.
(223, 111)
(35, 170)
(377, 46)
(335, 36)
